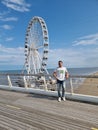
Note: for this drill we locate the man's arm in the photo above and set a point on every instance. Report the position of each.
(66, 75)
(55, 75)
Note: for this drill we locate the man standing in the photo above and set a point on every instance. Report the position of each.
(61, 74)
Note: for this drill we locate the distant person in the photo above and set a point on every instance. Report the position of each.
(61, 74)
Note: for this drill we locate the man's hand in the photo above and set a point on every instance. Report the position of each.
(66, 75)
(55, 75)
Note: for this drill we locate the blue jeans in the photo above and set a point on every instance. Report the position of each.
(61, 86)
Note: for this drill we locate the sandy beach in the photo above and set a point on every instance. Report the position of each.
(89, 86)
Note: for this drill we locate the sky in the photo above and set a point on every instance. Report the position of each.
(72, 27)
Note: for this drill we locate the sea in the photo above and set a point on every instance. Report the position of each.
(72, 71)
(79, 71)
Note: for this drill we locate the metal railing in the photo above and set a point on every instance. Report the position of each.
(79, 84)
(39, 81)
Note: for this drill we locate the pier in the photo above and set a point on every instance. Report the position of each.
(27, 111)
(33, 108)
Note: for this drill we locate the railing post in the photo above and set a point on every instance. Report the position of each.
(71, 85)
(25, 82)
(9, 81)
(45, 84)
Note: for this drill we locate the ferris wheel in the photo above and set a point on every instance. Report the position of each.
(36, 46)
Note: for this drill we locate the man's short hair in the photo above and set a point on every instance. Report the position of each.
(60, 61)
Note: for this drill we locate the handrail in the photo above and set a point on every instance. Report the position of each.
(71, 76)
(84, 76)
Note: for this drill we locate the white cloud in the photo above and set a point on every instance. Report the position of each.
(8, 19)
(87, 40)
(18, 50)
(4, 13)
(3, 17)
(9, 39)
(6, 27)
(73, 57)
(17, 5)
(11, 56)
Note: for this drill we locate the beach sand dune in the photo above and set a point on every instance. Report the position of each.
(89, 86)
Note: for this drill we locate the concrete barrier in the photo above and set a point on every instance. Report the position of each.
(76, 97)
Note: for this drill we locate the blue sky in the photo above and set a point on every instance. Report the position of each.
(72, 27)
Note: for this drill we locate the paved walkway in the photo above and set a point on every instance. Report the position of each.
(19, 111)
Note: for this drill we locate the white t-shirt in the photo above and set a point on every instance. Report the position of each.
(61, 71)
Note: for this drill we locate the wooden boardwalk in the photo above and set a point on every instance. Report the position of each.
(19, 111)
